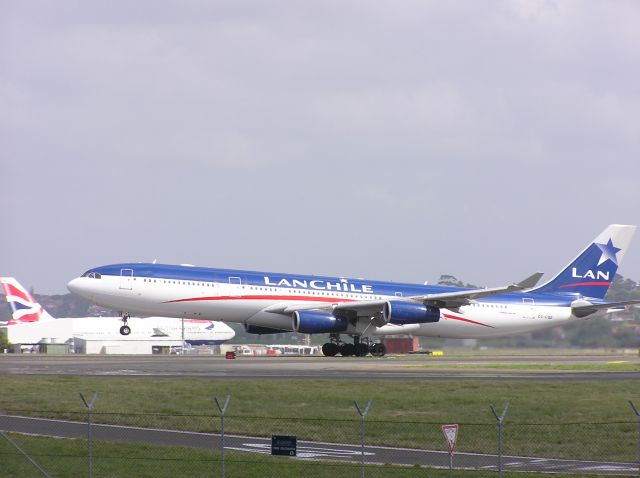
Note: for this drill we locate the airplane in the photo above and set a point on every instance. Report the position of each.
(267, 302)
(30, 324)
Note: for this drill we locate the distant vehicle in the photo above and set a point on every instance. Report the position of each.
(267, 302)
(32, 324)
(294, 349)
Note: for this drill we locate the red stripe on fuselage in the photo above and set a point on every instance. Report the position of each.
(262, 297)
(455, 317)
(579, 284)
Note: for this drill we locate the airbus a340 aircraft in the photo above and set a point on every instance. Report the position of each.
(268, 302)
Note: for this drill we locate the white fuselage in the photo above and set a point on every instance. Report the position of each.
(106, 328)
(250, 304)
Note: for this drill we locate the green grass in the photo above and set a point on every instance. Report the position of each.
(544, 419)
(68, 458)
(599, 367)
(466, 401)
(475, 353)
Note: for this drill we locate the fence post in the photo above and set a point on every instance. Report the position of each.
(500, 418)
(362, 414)
(222, 409)
(635, 410)
(89, 406)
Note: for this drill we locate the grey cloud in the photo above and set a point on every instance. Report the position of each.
(385, 139)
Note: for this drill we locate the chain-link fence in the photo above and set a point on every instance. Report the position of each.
(86, 443)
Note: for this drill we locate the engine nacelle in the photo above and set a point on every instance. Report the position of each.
(403, 312)
(256, 329)
(315, 322)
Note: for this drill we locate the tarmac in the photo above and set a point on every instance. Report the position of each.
(388, 368)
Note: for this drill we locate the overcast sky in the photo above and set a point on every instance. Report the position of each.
(378, 139)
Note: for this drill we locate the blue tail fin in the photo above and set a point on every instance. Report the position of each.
(592, 271)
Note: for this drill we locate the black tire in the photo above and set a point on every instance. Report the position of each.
(361, 350)
(125, 330)
(378, 350)
(330, 349)
(347, 350)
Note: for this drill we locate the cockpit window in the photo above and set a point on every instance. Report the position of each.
(92, 275)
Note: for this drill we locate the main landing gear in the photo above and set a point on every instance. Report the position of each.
(125, 329)
(357, 348)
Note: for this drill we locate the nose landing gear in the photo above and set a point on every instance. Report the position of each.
(125, 329)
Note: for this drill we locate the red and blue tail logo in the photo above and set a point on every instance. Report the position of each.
(592, 272)
(25, 308)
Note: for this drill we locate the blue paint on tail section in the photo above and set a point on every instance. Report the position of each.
(589, 275)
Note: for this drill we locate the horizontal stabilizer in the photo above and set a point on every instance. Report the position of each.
(582, 308)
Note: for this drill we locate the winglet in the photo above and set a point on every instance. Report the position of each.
(530, 281)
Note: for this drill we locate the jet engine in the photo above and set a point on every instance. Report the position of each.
(256, 329)
(402, 312)
(315, 322)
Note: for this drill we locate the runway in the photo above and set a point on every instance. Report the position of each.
(575, 367)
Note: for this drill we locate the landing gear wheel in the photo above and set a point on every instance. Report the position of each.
(378, 350)
(347, 350)
(361, 350)
(125, 330)
(330, 349)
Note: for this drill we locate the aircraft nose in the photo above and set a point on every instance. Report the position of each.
(75, 286)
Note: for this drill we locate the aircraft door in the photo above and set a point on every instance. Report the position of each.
(528, 308)
(126, 279)
(235, 284)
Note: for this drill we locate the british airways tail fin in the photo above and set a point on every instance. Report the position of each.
(25, 308)
(592, 271)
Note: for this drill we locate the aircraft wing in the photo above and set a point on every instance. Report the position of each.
(456, 299)
(373, 307)
(449, 300)
(582, 308)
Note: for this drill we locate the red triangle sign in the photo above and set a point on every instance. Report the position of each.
(450, 433)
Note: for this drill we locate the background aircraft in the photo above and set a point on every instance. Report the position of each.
(32, 324)
(274, 302)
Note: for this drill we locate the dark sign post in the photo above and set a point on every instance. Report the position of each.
(283, 445)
